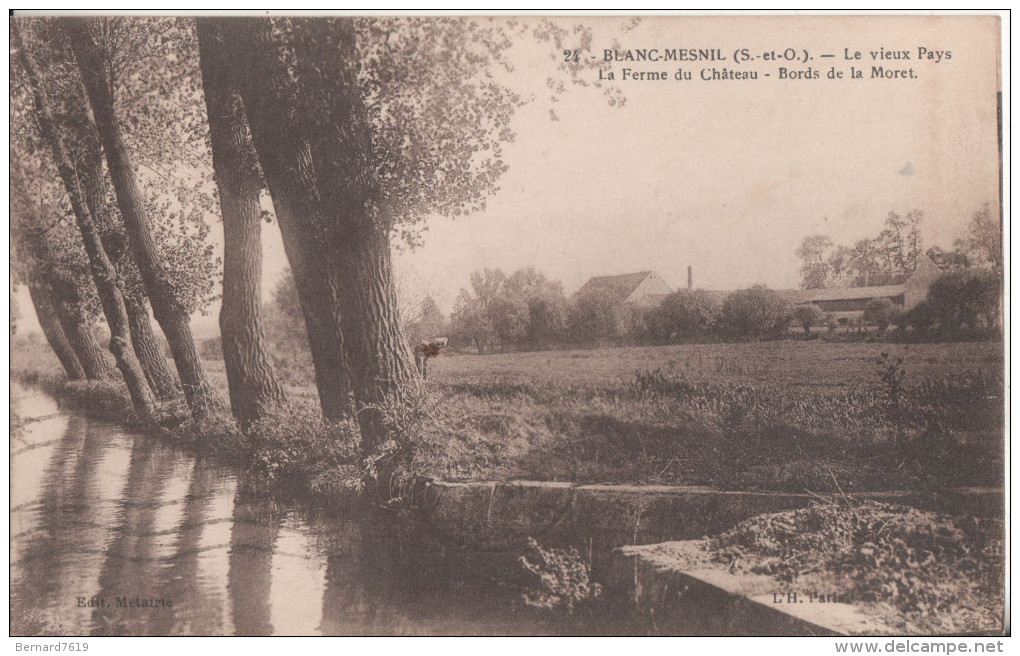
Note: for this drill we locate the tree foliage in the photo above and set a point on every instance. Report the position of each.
(880, 312)
(755, 312)
(684, 314)
(875, 261)
(807, 316)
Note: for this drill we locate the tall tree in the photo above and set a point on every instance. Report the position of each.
(282, 137)
(102, 270)
(254, 389)
(94, 55)
(983, 241)
(50, 254)
(85, 150)
(814, 269)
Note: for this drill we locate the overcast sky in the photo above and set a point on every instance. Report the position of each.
(730, 176)
(727, 176)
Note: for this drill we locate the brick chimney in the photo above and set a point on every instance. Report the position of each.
(690, 278)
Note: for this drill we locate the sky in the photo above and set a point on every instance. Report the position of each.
(727, 176)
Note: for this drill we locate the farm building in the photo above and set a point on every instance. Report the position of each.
(643, 289)
(847, 303)
(839, 300)
(646, 289)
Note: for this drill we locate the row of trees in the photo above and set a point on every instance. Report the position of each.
(527, 311)
(895, 251)
(133, 133)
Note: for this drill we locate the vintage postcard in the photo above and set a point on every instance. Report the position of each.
(435, 325)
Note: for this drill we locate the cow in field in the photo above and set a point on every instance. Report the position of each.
(425, 350)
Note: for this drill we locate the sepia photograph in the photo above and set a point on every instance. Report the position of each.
(497, 324)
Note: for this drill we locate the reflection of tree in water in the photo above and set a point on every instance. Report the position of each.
(253, 533)
(133, 567)
(389, 578)
(196, 610)
(65, 532)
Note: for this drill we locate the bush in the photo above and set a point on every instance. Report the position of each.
(921, 318)
(597, 318)
(297, 449)
(928, 566)
(807, 316)
(965, 299)
(755, 312)
(211, 349)
(880, 312)
(684, 314)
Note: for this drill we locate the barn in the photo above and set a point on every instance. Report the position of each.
(906, 294)
(644, 289)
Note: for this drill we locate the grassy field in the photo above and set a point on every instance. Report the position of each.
(793, 364)
(775, 415)
(790, 415)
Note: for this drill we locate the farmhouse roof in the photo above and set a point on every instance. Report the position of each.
(617, 288)
(851, 293)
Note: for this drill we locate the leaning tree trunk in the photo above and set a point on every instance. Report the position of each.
(54, 332)
(83, 341)
(254, 390)
(162, 379)
(89, 155)
(285, 156)
(102, 270)
(93, 62)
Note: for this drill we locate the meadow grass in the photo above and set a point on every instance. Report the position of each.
(788, 415)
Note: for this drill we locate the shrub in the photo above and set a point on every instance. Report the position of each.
(755, 312)
(921, 318)
(965, 299)
(297, 449)
(880, 312)
(684, 314)
(926, 565)
(808, 315)
(416, 428)
(597, 318)
(211, 348)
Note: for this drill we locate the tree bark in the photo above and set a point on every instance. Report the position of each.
(322, 189)
(285, 155)
(102, 270)
(162, 379)
(83, 341)
(89, 157)
(381, 363)
(53, 330)
(93, 62)
(254, 389)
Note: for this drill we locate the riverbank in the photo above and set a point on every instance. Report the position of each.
(704, 415)
(578, 528)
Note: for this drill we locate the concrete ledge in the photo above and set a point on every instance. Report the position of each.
(491, 515)
(662, 595)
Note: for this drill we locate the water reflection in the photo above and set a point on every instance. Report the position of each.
(116, 533)
(253, 532)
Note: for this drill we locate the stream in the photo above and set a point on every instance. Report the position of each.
(116, 532)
